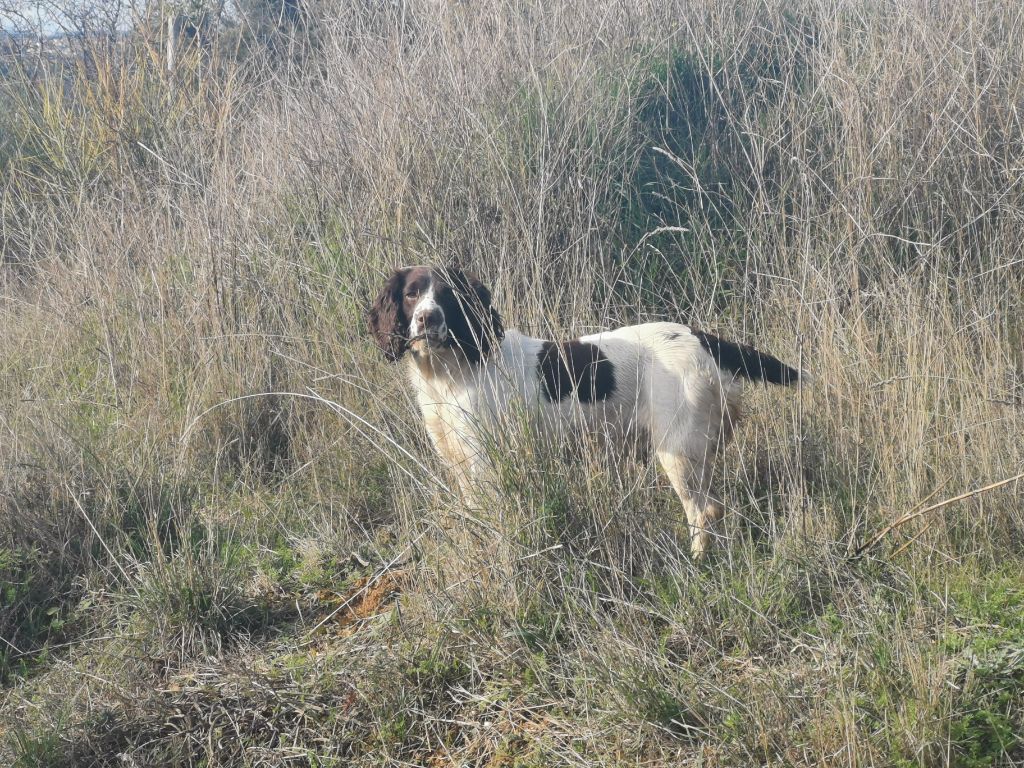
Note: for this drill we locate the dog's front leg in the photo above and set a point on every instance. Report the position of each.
(461, 451)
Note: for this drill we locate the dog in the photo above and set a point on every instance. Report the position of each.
(666, 387)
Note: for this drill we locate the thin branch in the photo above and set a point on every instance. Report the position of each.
(914, 515)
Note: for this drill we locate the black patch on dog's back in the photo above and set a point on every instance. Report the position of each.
(575, 368)
(744, 360)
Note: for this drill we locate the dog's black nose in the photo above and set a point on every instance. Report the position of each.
(432, 318)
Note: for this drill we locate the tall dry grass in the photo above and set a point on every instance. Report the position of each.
(224, 539)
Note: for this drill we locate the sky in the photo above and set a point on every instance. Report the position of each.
(53, 17)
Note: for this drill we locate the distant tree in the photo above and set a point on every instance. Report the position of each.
(277, 28)
(189, 25)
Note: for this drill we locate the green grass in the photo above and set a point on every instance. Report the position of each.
(224, 537)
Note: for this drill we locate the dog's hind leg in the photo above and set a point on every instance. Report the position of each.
(691, 481)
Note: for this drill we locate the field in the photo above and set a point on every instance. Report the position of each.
(224, 539)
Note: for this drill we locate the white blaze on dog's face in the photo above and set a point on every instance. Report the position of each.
(428, 319)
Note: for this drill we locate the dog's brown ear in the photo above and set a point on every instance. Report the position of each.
(387, 321)
(490, 314)
(476, 326)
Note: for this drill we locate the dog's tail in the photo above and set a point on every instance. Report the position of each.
(746, 361)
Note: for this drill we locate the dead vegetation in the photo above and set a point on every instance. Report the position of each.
(223, 539)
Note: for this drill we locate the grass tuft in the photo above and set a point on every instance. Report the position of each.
(224, 537)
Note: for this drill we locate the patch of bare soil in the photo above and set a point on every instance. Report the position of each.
(368, 597)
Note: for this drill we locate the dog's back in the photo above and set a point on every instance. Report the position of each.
(672, 387)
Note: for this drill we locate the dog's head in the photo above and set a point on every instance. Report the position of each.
(431, 309)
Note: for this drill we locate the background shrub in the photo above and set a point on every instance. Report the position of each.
(223, 537)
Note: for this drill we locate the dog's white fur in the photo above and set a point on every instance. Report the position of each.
(660, 387)
(670, 396)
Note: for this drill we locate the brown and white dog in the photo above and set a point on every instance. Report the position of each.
(663, 386)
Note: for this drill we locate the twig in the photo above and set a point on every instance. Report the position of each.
(354, 419)
(98, 535)
(914, 515)
(912, 539)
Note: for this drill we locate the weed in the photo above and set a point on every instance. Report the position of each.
(224, 537)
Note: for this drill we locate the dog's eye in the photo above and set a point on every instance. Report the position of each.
(411, 294)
